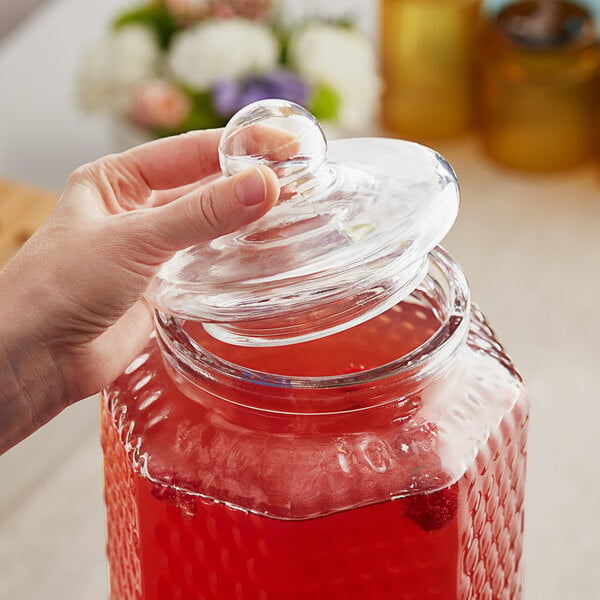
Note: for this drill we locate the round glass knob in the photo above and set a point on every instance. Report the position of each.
(275, 133)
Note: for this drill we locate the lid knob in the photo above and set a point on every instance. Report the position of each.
(298, 150)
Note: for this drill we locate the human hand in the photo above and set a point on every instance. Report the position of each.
(71, 298)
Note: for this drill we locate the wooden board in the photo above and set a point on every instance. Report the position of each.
(22, 210)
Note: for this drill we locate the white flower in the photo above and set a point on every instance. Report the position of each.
(222, 49)
(114, 66)
(343, 59)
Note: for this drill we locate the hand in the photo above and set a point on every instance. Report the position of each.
(71, 298)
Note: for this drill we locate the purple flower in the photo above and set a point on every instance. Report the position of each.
(230, 96)
(225, 96)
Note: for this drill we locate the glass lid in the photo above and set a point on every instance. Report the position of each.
(348, 238)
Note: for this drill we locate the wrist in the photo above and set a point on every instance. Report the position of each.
(32, 386)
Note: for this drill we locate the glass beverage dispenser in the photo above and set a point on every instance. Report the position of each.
(320, 413)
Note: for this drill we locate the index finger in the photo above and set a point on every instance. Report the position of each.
(175, 161)
(184, 159)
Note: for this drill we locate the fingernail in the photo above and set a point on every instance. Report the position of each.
(251, 188)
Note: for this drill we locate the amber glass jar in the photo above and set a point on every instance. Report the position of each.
(539, 85)
(364, 437)
(427, 62)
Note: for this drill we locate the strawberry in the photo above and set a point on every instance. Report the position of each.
(432, 510)
(435, 503)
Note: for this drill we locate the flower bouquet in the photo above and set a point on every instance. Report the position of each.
(169, 66)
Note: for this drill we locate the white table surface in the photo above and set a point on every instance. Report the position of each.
(530, 246)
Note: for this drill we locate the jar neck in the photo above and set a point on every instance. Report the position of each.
(285, 403)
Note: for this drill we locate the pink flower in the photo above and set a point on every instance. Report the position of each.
(189, 10)
(159, 104)
(250, 9)
(222, 10)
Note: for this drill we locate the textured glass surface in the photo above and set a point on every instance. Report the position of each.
(395, 482)
(443, 538)
(192, 549)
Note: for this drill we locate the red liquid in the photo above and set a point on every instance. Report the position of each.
(376, 342)
(461, 542)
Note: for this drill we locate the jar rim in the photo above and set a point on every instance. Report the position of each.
(186, 355)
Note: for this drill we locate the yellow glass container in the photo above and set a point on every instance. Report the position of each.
(427, 64)
(539, 78)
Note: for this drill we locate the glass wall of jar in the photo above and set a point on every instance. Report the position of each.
(427, 65)
(385, 461)
(539, 83)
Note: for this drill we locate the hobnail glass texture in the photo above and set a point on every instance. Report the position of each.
(320, 412)
(400, 482)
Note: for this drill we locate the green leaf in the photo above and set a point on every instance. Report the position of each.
(283, 37)
(155, 16)
(203, 114)
(325, 103)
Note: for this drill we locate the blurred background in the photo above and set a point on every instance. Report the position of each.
(508, 92)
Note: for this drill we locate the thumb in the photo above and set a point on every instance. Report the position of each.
(214, 209)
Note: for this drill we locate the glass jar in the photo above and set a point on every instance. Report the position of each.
(539, 78)
(427, 59)
(382, 460)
